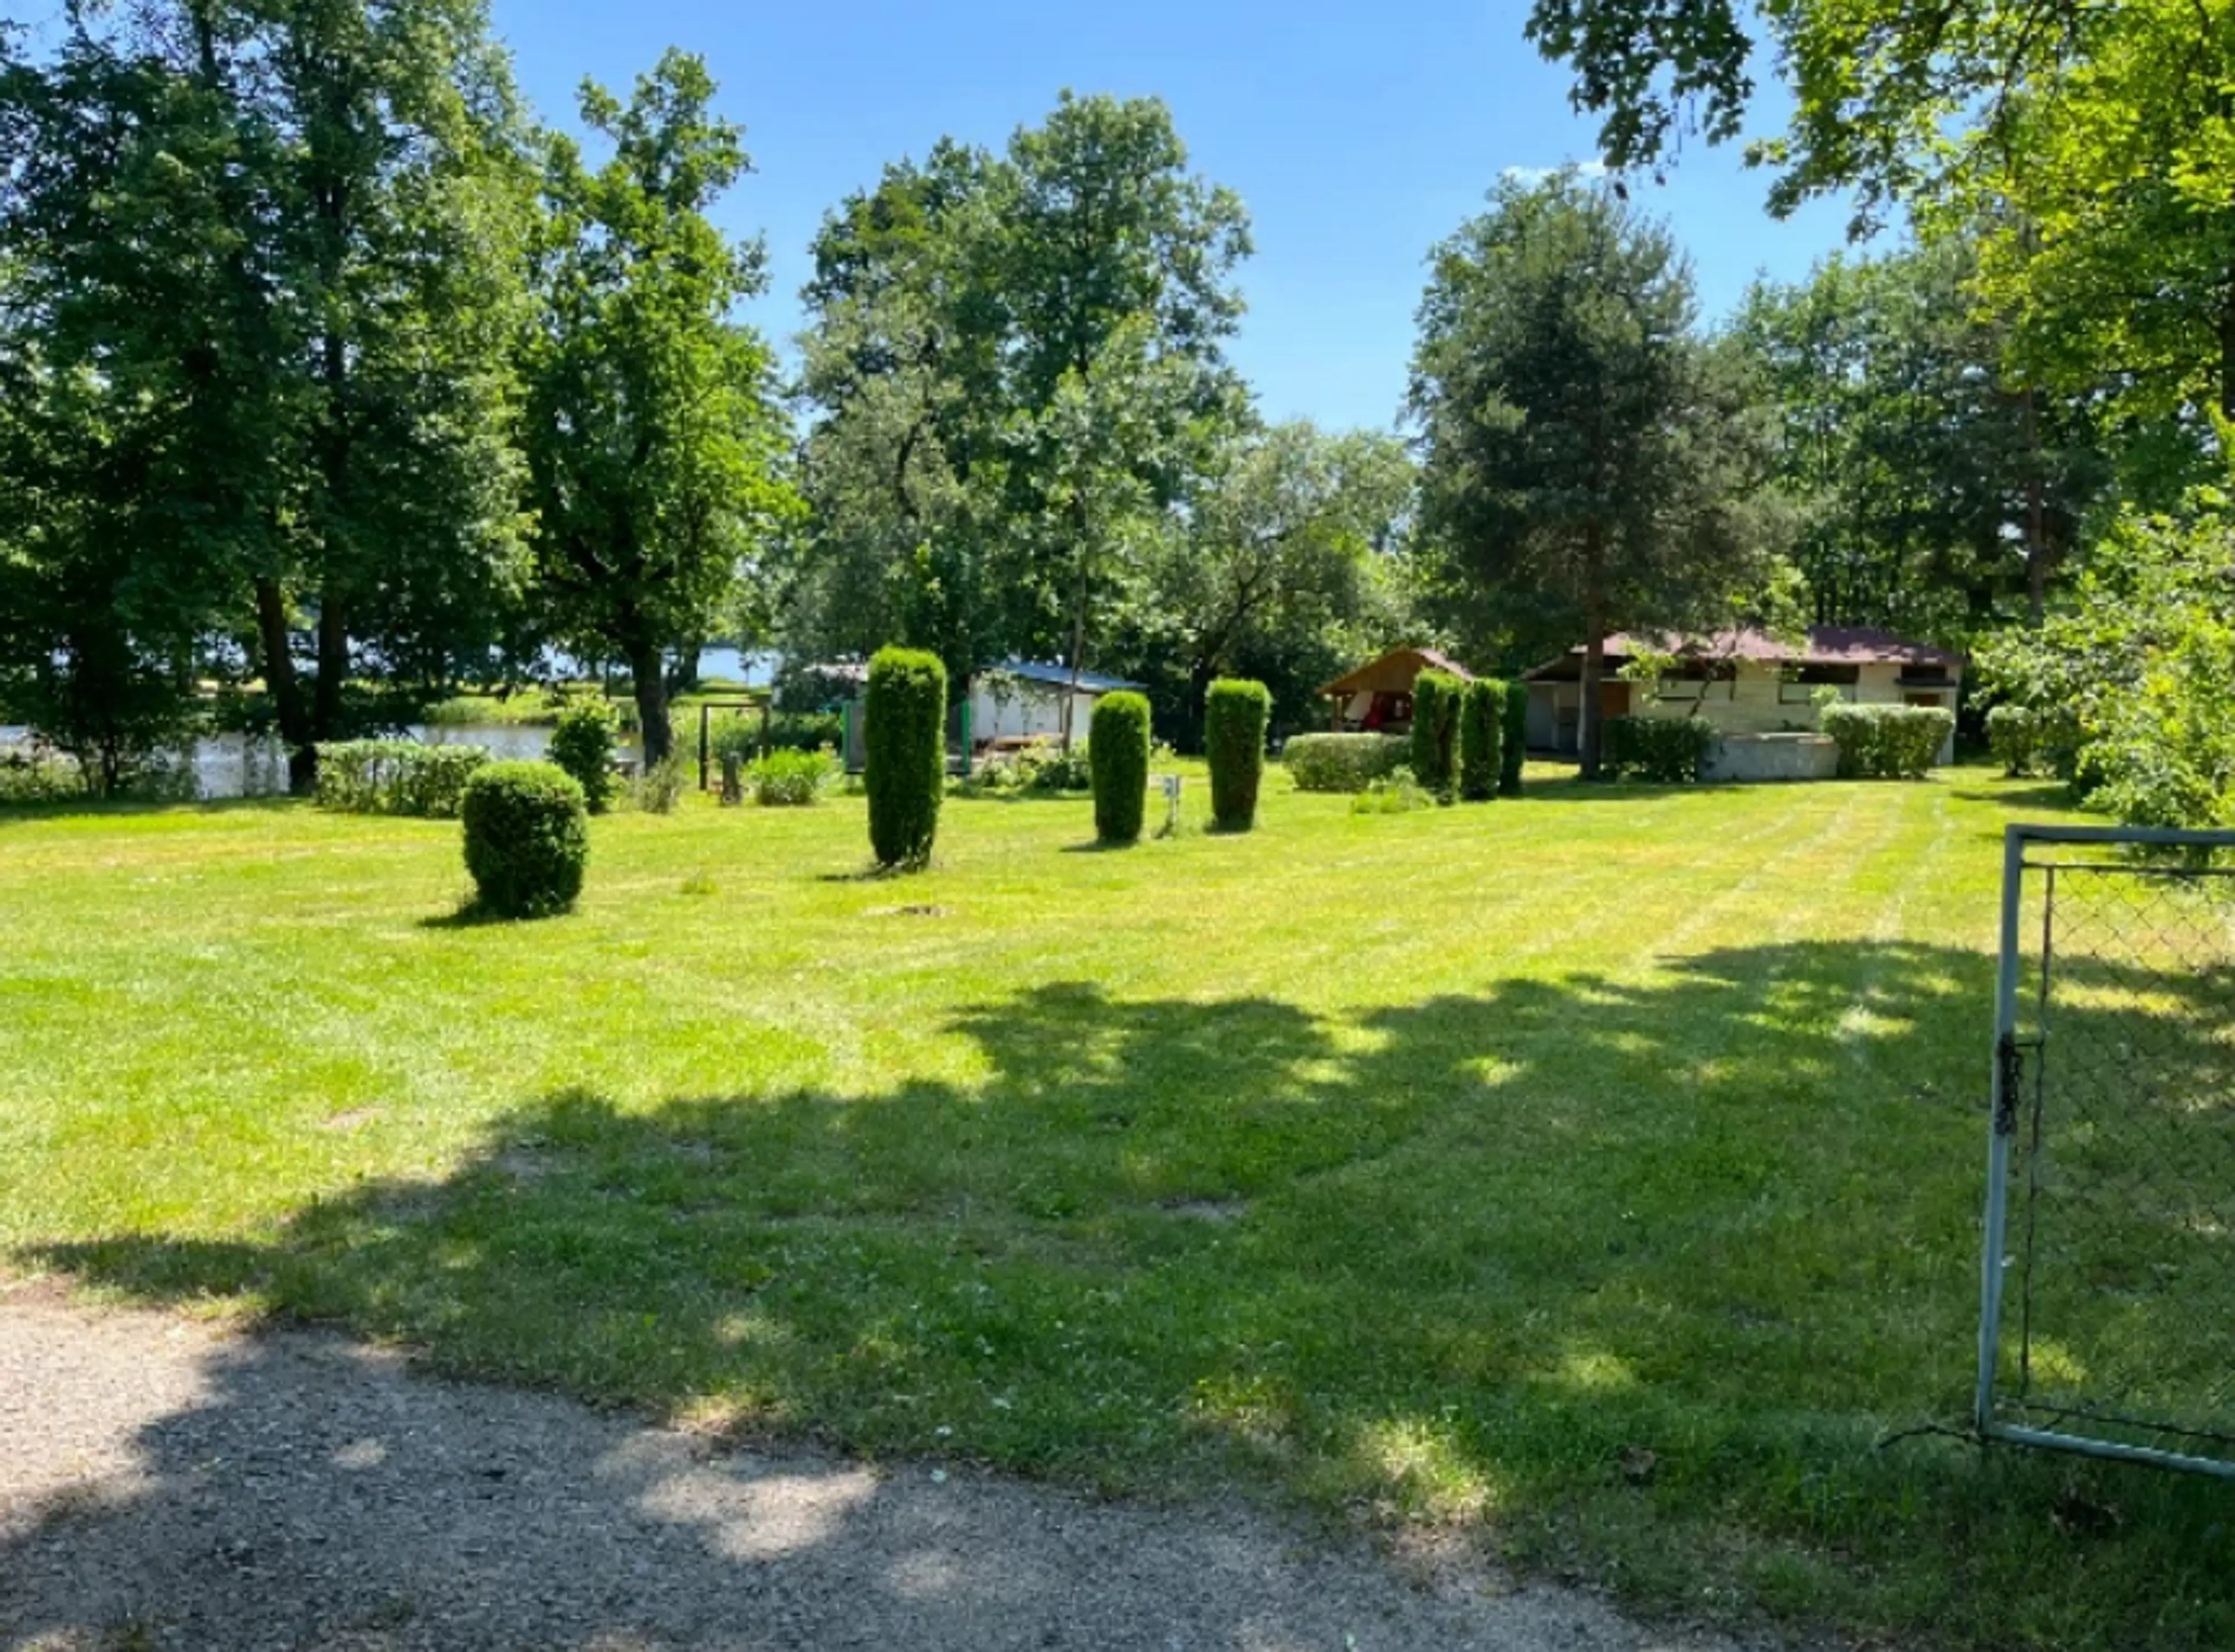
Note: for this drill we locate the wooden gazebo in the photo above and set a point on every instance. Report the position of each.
(1378, 696)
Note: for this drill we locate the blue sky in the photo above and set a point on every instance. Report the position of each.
(1358, 134)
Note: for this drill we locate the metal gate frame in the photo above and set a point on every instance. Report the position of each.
(2008, 1078)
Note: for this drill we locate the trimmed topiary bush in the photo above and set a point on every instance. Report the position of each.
(904, 737)
(1344, 762)
(583, 744)
(1119, 749)
(1482, 718)
(1234, 715)
(1888, 742)
(527, 838)
(1668, 750)
(1435, 731)
(1513, 740)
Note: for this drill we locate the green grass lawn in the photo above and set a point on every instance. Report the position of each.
(1598, 1172)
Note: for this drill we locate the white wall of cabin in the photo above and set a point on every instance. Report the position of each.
(1758, 701)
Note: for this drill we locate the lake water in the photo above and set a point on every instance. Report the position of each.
(234, 765)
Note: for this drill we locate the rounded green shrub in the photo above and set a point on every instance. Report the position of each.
(527, 838)
(1481, 717)
(1118, 753)
(583, 746)
(904, 736)
(1513, 741)
(1236, 713)
(1435, 731)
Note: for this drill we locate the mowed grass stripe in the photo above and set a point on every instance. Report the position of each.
(1596, 1173)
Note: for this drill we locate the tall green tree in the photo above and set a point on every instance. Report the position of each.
(1580, 442)
(2085, 147)
(1017, 369)
(1287, 569)
(1935, 494)
(655, 444)
(271, 253)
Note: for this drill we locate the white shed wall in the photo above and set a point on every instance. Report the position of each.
(1035, 710)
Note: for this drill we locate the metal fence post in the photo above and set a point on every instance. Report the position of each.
(2001, 1126)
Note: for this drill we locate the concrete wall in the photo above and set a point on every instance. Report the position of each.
(1773, 756)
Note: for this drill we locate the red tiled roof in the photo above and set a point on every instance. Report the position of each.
(1825, 646)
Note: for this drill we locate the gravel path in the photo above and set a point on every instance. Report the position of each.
(165, 1485)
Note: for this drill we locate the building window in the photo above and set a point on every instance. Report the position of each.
(1798, 685)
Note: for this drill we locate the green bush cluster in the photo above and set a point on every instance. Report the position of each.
(904, 734)
(1513, 742)
(38, 774)
(1343, 762)
(786, 779)
(583, 744)
(1482, 718)
(1236, 713)
(1043, 767)
(1888, 742)
(1394, 793)
(527, 838)
(395, 776)
(1666, 751)
(1119, 745)
(1435, 731)
(2023, 740)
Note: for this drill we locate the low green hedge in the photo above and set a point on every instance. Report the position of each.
(395, 776)
(1666, 751)
(1888, 742)
(527, 838)
(738, 733)
(1344, 762)
(790, 779)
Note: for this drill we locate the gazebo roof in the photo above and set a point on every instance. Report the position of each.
(1395, 672)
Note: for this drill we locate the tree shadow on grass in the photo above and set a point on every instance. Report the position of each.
(1636, 1273)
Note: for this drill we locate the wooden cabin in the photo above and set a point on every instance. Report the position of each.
(1377, 697)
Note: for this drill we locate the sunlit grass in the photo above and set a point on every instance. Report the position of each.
(1597, 1172)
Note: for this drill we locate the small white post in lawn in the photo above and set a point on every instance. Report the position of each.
(1170, 784)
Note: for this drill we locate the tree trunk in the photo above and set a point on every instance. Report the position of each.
(644, 665)
(1589, 733)
(1078, 644)
(333, 665)
(2037, 551)
(295, 730)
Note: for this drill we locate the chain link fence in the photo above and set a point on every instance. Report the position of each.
(2109, 1315)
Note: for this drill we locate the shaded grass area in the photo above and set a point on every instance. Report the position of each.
(1597, 1172)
